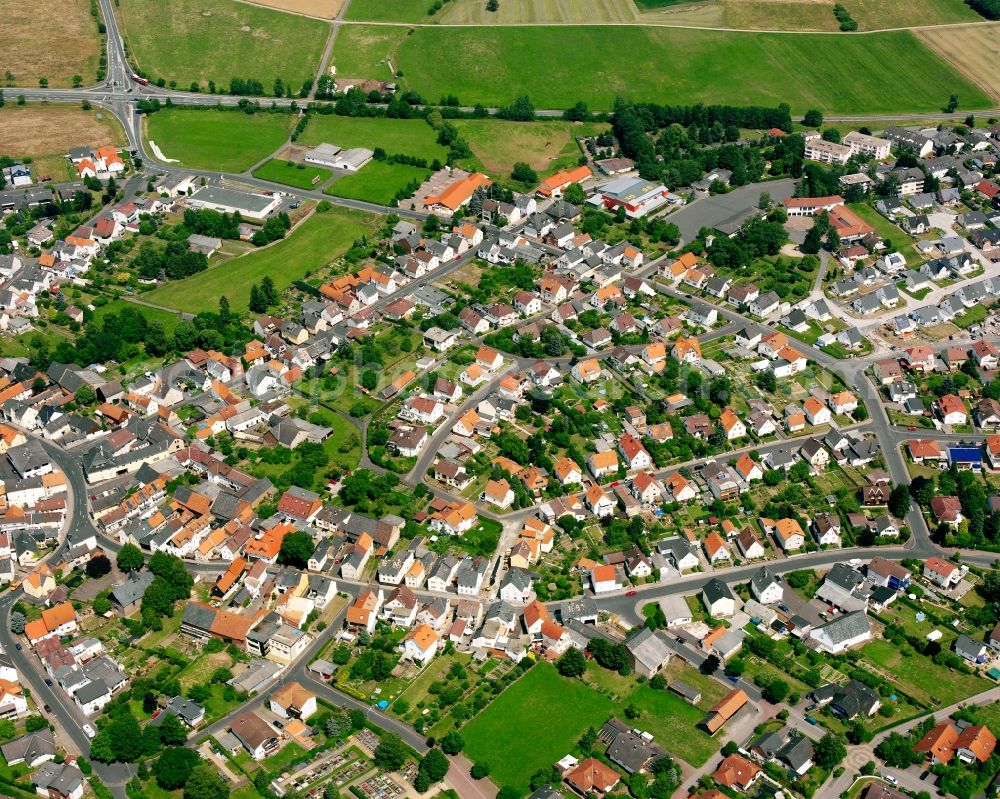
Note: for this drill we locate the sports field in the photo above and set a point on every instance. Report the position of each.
(316, 242)
(396, 136)
(225, 141)
(378, 182)
(532, 724)
(68, 44)
(557, 66)
(547, 145)
(201, 40)
(974, 50)
(303, 176)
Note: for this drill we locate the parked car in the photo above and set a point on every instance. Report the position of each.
(89, 731)
(17, 647)
(890, 779)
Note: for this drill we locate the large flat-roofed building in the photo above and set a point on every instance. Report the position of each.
(227, 201)
(323, 155)
(637, 197)
(352, 160)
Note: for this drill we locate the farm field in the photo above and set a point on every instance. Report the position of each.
(324, 9)
(779, 15)
(396, 136)
(195, 41)
(542, 11)
(46, 133)
(919, 676)
(378, 182)
(388, 11)
(546, 146)
(312, 245)
(972, 50)
(557, 66)
(71, 42)
(302, 176)
(227, 141)
(532, 724)
(818, 16)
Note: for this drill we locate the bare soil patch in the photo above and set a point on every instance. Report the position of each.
(37, 131)
(323, 9)
(54, 39)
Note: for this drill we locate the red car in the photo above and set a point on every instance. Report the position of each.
(912, 429)
(631, 593)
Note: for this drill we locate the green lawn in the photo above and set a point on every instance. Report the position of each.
(302, 176)
(378, 182)
(546, 145)
(396, 136)
(674, 725)
(225, 141)
(288, 753)
(532, 724)
(557, 66)
(197, 41)
(921, 677)
(314, 244)
(884, 228)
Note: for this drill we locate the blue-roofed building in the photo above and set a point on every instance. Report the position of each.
(965, 457)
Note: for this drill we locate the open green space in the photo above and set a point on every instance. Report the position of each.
(396, 136)
(315, 243)
(378, 182)
(226, 141)
(674, 725)
(197, 41)
(302, 176)
(559, 65)
(921, 677)
(886, 229)
(532, 724)
(166, 318)
(387, 10)
(547, 145)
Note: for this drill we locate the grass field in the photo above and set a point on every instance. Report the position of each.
(537, 11)
(195, 41)
(292, 174)
(818, 16)
(557, 66)
(227, 141)
(921, 677)
(674, 725)
(70, 45)
(377, 183)
(396, 136)
(973, 50)
(547, 145)
(45, 134)
(779, 15)
(388, 10)
(315, 243)
(532, 724)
